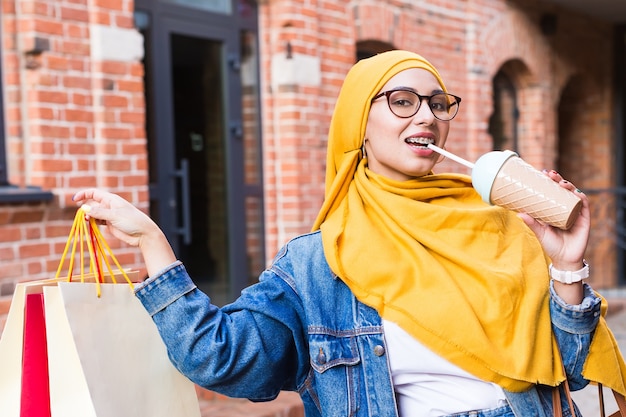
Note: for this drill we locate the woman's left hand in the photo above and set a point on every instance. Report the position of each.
(566, 248)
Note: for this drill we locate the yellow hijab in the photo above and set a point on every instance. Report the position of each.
(466, 279)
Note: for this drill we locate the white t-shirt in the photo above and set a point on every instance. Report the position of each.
(427, 385)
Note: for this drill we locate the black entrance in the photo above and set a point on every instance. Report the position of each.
(198, 86)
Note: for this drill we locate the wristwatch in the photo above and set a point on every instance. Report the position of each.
(570, 277)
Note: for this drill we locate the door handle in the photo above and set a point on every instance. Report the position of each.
(183, 175)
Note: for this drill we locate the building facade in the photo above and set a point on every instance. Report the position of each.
(212, 115)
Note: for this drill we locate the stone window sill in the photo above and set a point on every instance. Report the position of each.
(14, 194)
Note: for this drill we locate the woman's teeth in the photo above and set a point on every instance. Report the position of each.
(419, 141)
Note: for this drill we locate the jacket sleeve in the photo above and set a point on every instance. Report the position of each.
(251, 348)
(573, 327)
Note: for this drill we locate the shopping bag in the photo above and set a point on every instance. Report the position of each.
(117, 357)
(12, 351)
(105, 357)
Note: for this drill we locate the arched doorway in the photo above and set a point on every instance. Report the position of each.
(503, 120)
(366, 49)
(582, 114)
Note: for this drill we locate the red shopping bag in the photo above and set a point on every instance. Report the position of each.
(35, 398)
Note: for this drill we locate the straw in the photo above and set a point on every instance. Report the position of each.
(451, 156)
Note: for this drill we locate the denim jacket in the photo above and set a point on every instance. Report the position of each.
(301, 329)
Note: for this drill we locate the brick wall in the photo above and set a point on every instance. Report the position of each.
(74, 107)
(469, 42)
(75, 111)
(75, 119)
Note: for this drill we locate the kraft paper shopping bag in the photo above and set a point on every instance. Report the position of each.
(117, 356)
(70, 396)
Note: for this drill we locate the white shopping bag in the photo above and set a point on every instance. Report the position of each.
(11, 348)
(105, 355)
(117, 356)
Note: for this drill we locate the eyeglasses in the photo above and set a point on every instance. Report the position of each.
(406, 103)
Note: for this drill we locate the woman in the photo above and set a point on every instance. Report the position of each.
(411, 297)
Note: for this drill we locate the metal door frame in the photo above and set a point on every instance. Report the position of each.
(167, 19)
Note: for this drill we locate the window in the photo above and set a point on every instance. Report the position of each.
(3, 157)
(10, 193)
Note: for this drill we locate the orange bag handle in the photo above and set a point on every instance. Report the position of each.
(86, 233)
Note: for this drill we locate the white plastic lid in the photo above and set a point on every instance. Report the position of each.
(486, 169)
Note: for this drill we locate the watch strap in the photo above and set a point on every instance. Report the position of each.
(569, 277)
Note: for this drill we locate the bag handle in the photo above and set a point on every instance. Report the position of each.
(86, 233)
(619, 399)
(556, 397)
(556, 401)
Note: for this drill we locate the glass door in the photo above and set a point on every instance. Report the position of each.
(196, 139)
(200, 135)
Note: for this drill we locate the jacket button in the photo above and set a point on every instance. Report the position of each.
(379, 350)
(321, 357)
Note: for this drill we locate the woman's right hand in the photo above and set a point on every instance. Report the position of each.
(130, 225)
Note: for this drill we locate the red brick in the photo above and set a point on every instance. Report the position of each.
(35, 269)
(124, 22)
(110, 4)
(53, 131)
(82, 182)
(5, 305)
(48, 27)
(132, 117)
(116, 133)
(81, 132)
(111, 182)
(77, 82)
(56, 97)
(81, 148)
(111, 67)
(85, 165)
(6, 254)
(82, 99)
(110, 100)
(47, 182)
(78, 63)
(56, 62)
(27, 216)
(5, 217)
(12, 270)
(72, 115)
(75, 47)
(56, 230)
(80, 31)
(46, 113)
(74, 14)
(34, 250)
(33, 232)
(53, 165)
(135, 86)
(134, 180)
